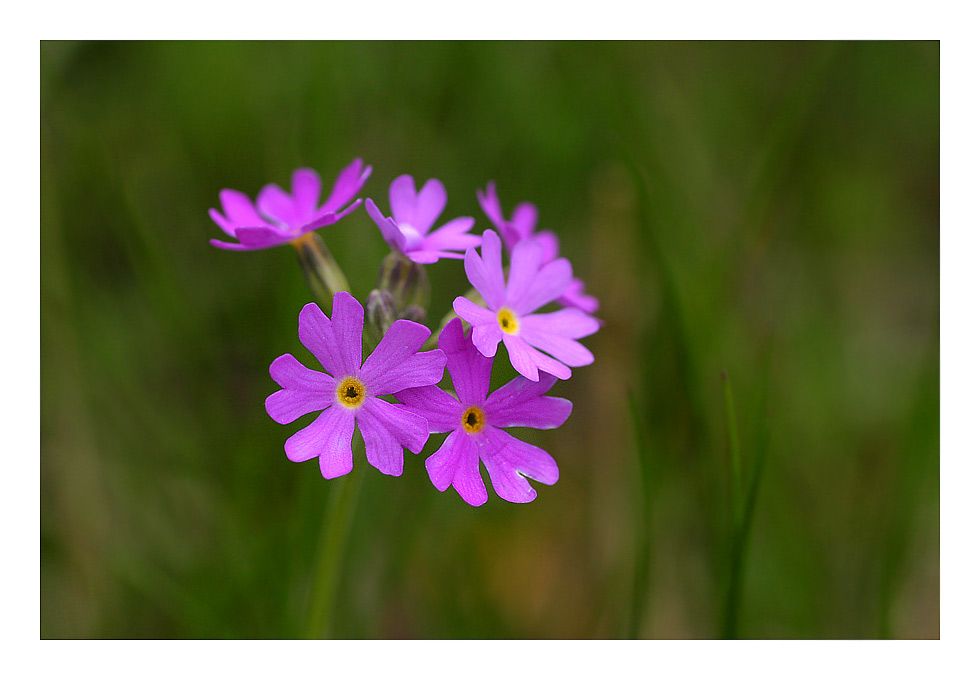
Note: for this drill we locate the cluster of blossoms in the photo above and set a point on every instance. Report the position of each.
(504, 305)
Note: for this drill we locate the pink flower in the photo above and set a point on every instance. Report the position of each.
(508, 315)
(474, 419)
(520, 227)
(283, 217)
(349, 392)
(413, 215)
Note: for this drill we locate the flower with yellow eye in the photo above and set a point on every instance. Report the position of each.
(349, 392)
(474, 420)
(509, 315)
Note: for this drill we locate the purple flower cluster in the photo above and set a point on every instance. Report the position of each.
(508, 305)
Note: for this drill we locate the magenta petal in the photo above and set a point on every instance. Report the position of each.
(486, 272)
(432, 256)
(536, 331)
(306, 193)
(350, 181)
(336, 343)
(526, 360)
(575, 296)
(230, 246)
(486, 331)
(491, 204)
(402, 198)
(520, 403)
(395, 364)
(547, 285)
(468, 367)
(386, 428)
(429, 205)
(329, 437)
(569, 323)
(510, 462)
(442, 464)
(525, 262)
(524, 219)
(277, 205)
(305, 390)
(467, 480)
(389, 230)
(239, 209)
(255, 238)
(440, 410)
(452, 236)
(549, 245)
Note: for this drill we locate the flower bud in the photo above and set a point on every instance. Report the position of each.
(405, 280)
(414, 313)
(380, 313)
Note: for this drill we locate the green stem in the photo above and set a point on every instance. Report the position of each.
(333, 537)
(736, 458)
(322, 273)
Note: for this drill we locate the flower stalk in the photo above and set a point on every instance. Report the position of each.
(322, 273)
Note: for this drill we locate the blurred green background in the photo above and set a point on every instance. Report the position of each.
(766, 209)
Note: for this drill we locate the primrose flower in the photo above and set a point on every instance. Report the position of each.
(473, 420)
(520, 227)
(350, 392)
(283, 217)
(413, 214)
(508, 315)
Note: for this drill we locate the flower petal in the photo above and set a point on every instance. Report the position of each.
(336, 343)
(486, 331)
(440, 410)
(390, 232)
(486, 272)
(520, 403)
(442, 464)
(466, 475)
(525, 261)
(329, 437)
(386, 428)
(524, 219)
(350, 181)
(575, 296)
(452, 236)
(401, 196)
(306, 193)
(429, 205)
(396, 364)
(255, 238)
(526, 360)
(468, 367)
(548, 241)
(510, 462)
(277, 205)
(239, 209)
(549, 283)
(491, 204)
(304, 390)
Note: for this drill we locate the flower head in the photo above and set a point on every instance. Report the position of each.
(520, 227)
(474, 421)
(281, 217)
(413, 214)
(348, 393)
(509, 316)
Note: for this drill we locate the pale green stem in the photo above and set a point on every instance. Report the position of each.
(322, 274)
(333, 537)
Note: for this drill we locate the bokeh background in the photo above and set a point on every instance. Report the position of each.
(770, 210)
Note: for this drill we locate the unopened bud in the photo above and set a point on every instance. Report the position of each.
(414, 313)
(380, 313)
(405, 280)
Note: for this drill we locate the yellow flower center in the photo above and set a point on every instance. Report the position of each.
(473, 419)
(507, 320)
(350, 392)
